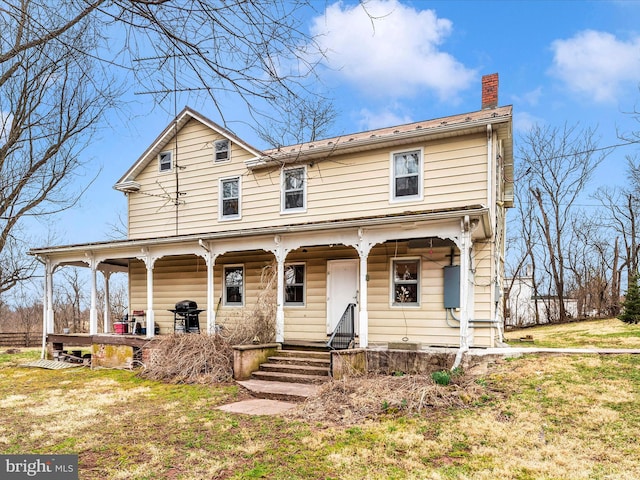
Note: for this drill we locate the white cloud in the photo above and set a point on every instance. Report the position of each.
(531, 97)
(524, 121)
(596, 64)
(389, 48)
(369, 120)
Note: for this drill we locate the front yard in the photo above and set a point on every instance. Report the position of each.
(547, 417)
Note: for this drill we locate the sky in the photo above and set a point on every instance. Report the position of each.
(559, 62)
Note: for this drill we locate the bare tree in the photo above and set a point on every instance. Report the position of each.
(558, 164)
(59, 62)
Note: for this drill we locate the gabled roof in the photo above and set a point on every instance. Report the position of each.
(165, 137)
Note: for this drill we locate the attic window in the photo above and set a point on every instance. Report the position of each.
(164, 162)
(221, 151)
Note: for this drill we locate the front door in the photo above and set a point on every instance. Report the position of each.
(342, 289)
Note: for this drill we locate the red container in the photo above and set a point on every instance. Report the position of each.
(121, 327)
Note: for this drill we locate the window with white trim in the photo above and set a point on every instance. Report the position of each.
(294, 284)
(294, 189)
(234, 285)
(406, 175)
(406, 282)
(221, 150)
(229, 198)
(165, 162)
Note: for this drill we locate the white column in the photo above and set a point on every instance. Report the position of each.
(93, 309)
(107, 303)
(150, 317)
(49, 276)
(211, 308)
(364, 247)
(465, 253)
(280, 253)
(149, 260)
(45, 299)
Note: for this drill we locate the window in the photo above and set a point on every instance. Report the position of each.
(407, 175)
(221, 151)
(293, 189)
(233, 285)
(229, 198)
(164, 162)
(406, 282)
(294, 284)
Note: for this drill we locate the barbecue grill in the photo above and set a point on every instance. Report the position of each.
(186, 317)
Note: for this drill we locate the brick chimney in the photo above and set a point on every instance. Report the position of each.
(490, 91)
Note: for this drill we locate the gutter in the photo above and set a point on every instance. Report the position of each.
(375, 141)
(302, 228)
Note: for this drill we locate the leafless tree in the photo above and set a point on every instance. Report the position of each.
(557, 164)
(59, 62)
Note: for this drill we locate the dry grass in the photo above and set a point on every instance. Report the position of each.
(207, 359)
(354, 400)
(608, 333)
(559, 417)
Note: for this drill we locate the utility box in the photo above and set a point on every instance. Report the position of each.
(452, 286)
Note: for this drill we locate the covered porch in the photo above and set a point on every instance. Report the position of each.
(319, 269)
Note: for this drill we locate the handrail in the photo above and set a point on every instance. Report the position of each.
(344, 334)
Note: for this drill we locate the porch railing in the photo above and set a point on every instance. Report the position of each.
(344, 334)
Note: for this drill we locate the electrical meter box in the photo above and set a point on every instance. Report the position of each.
(452, 286)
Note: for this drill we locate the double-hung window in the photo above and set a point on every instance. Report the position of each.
(294, 284)
(221, 151)
(164, 162)
(234, 285)
(229, 198)
(406, 282)
(294, 189)
(406, 175)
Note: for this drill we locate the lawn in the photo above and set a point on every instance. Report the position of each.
(548, 417)
(609, 333)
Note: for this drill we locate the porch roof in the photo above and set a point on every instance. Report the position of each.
(131, 248)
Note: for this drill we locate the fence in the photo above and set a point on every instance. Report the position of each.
(20, 339)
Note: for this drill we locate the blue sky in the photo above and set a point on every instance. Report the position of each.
(559, 61)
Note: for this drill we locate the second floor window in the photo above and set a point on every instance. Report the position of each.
(164, 162)
(230, 198)
(407, 175)
(294, 189)
(221, 151)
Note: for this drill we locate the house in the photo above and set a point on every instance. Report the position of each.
(403, 227)
(525, 308)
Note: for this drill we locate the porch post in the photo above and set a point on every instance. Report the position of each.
(107, 303)
(465, 253)
(149, 261)
(364, 247)
(45, 299)
(93, 309)
(49, 268)
(280, 253)
(210, 259)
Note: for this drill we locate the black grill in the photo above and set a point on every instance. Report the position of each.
(186, 317)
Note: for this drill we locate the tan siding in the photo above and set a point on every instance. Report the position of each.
(454, 176)
(184, 277)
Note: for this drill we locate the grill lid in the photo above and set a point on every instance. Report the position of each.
(186, 305)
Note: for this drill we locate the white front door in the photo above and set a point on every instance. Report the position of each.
(342, 289)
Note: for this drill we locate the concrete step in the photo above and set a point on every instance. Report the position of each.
(284, 391)
(295, 369)
(289, 377)
(324, 355)
(311, 362)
